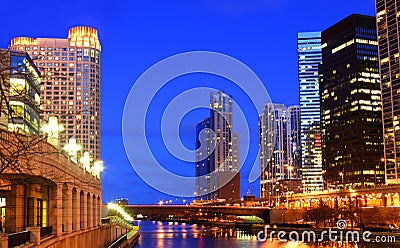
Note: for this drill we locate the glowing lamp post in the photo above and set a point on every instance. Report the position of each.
(72, 149)
(52, 129)
(97, 168)
(85, 161)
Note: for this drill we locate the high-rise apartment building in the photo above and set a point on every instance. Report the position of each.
(217, 152)
(309, 52)
(280, 149)
(20, 82)
(70, 87)
(351, 116)
(294, 140)
(389, 48)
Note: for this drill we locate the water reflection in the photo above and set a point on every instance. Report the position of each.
(173, 234)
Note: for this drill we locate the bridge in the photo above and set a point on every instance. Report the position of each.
(196, 211)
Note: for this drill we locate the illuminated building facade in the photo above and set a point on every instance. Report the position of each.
(294, 141)
(21, 87)
(309, 52)
(388, 40)
(70, 88)
(218, 152)
(351, 116)
(280, 148)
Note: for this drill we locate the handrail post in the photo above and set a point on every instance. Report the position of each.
(35, 235)
(3, 240)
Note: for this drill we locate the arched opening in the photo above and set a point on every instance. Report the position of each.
(82, 210)
(65, 208)
(94, 204)
(74, 209)
(88, 208)
(99, 210)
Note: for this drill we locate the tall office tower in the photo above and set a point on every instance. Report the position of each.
(351, 111)
(388, 40)
(280, 148)
(70, 88)
(218, 151)
(20, 82)
(309, 52)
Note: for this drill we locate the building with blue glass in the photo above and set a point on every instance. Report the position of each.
(217, 155)
(309, 58)
(20, 93)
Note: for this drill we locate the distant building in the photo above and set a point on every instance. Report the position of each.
(280, 148)
(218, 153)
(309, 52)
(123, 201)
(312, 175)
(389, 47)
(294, 140)
(351, 114)
(21, 89)
(70, 89)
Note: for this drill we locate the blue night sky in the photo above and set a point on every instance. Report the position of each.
(137, 34)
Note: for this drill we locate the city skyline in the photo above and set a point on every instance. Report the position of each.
(114, 157)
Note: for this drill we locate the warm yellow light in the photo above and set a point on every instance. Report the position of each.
(85, 161)
(120, 210)
(24, 41)
(52, 129)
(72, 149)
(97, 168)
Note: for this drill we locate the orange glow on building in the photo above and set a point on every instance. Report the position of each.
(84, 36)
(22, 41)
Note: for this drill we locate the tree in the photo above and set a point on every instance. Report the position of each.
(320, 214)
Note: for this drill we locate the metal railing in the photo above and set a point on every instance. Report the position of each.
(17, 239)
(118, 242)
(46, 231)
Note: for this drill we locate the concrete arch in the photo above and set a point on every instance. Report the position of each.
(94, 212)
(88, 210)
(75, 209)
(98, 211)
(65, 207)
(82, 209)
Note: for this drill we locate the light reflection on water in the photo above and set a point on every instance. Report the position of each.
(173, 235)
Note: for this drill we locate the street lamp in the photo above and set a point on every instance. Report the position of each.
(342, 175)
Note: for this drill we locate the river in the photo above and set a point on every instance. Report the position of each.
(154, 234)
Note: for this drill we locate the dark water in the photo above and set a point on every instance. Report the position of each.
(175, 235)
(155, 234)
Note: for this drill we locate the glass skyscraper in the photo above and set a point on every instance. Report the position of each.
(351, 111)
(309, 58)
(218, 152)
(389, 63)
(280, 149)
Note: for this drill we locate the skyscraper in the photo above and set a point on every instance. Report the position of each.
(389, 46)
(280, 149)
(20, 86)
(294, 140)
(70, 88)
(217, 151)
(351, 104)
(309, 58)
(266, 126)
